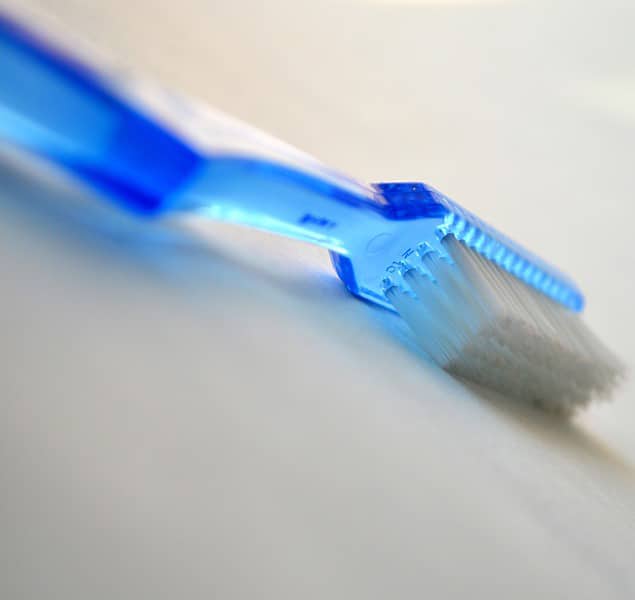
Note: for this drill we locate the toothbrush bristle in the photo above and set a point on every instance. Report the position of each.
(479, 322)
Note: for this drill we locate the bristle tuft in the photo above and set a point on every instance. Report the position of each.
(479, 322)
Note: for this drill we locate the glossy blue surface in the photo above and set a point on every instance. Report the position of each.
(58, 108)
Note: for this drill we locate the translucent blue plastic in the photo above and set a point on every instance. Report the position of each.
(57, 107)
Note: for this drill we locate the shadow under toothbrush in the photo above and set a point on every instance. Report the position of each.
(563, 434)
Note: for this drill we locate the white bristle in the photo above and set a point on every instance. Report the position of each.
(481, 323)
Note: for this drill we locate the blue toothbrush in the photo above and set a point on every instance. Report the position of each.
(481, 306)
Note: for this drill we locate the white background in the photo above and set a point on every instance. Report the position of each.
(212, 416)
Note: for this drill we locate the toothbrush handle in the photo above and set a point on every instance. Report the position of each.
(60, 108)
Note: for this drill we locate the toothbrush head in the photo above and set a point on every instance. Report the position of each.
(480, 306)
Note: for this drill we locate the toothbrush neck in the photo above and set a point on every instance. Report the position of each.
(321, 208)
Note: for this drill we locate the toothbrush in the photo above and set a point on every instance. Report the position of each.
(481, 307)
